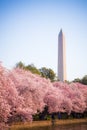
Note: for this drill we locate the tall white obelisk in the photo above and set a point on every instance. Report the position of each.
(61, 57)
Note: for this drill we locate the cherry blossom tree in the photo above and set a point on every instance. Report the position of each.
(10, 100)
(56, 102)
(25, 94)
(31, 87)
(81, 91)
(8, 95)
(74, 95)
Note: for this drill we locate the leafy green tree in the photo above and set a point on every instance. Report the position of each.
(84, 80)
(30, 67)
(77, 80)
(44, 72)
(33, 69)
(47, 73)
(20, 65)
(51, 74)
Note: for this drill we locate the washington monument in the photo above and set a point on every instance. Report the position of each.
(61, 57)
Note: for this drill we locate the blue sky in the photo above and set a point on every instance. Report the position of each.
(29, 33)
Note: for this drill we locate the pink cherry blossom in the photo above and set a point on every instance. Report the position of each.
(25, 94)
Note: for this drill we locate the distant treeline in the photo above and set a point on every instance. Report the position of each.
(47, 72)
